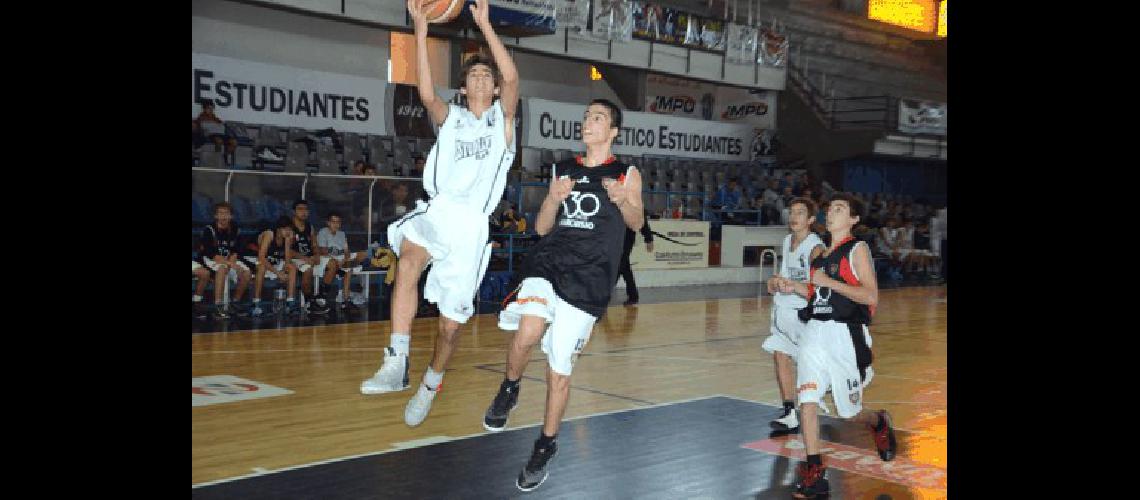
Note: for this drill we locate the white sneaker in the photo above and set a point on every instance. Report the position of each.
(268, 154)
(391, 377)
(787, 422)
(419, 406)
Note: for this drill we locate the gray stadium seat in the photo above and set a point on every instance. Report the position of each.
(268, 135)
(209, 158)
(326, 160)
(243, 156)
(352, 148)
(297, 157)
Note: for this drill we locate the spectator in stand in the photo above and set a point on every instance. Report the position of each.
(729, 198)
(820, 227)
(418, 167)
(826, 190)
(511, 221)
(809, 194)
(771, 204)
(787, 196)
(208, 127)
(787, 181)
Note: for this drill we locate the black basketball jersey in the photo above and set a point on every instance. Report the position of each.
(276, 252)
(580, 257)
(825, 305)
(217, 241)
(303, 244)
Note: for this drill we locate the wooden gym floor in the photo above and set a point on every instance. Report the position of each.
(691, 371)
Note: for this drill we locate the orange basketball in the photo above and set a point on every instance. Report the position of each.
(442, 11)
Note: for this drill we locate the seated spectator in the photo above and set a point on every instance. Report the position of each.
(787, 182)
(219, 246)
(305, 257)
(274, 261)
(417, 167)
(208, 127)
(729, 198)
(826, 190)
(511, 221)
(919, 258)
(770, 205)
(203, 274)
(336, 258)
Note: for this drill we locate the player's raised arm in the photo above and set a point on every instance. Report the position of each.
(436, 107)
(509, 89)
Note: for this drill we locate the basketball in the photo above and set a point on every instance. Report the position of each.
(442, 11)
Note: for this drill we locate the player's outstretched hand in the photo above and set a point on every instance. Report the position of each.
(481, 11)
(626, 191)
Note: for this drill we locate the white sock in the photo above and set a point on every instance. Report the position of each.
(198, 298)
(433, 379)
(401, 342)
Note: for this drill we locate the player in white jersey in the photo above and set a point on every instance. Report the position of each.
(800, 249)
(465, 175)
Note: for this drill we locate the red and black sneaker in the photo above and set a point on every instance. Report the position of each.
(885, 437)
(810, 482)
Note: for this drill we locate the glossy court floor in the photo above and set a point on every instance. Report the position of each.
(671, 399)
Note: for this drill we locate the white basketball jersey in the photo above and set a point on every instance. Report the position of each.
(469, 161)
(795, 266)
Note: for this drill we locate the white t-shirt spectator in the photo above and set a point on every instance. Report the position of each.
(337, 244)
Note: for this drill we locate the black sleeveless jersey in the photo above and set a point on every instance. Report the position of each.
(276, 252)
(581, 255)
(303, 244)
(825, 305)
(217, 241)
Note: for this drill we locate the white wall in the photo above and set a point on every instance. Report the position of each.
(260, 34)
(559, 79)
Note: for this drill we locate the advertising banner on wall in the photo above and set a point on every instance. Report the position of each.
(532, 17)
(677, 244)
(692, 99)
(253, 92)
(572, 13)
(922, 117)
(558, 125)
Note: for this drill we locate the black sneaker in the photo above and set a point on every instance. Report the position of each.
(505, 401)
(243, 310)
(201, 310)
(318, 306)
(885, 437)
(535, 471)
(810, 481)
(221, 311)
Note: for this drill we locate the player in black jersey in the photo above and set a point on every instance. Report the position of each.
(219, 244)
(835, 350)
(274, 260)
(305, 256)
(569, 275)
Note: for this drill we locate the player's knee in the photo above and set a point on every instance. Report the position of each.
(449, 328)
(409, 270)
(557, 380)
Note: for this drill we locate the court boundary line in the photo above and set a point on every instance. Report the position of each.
(457, 438)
